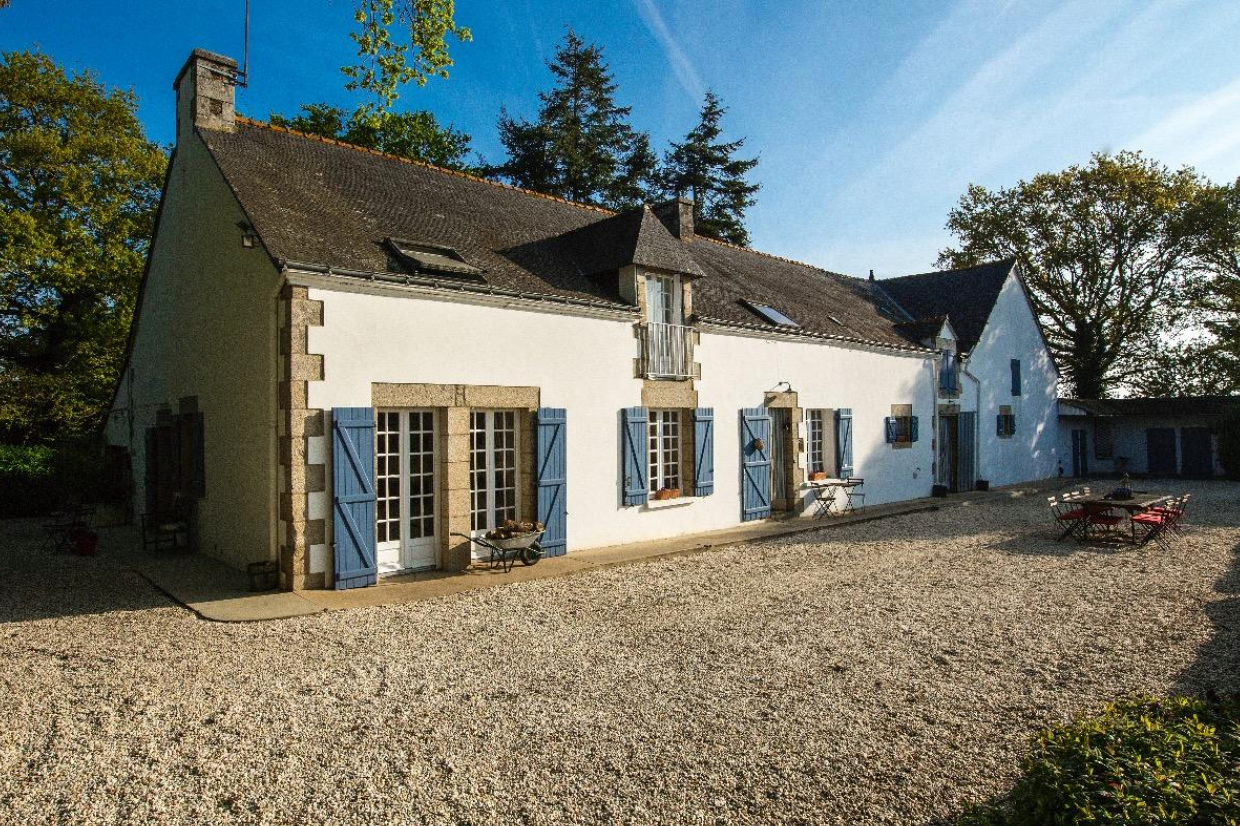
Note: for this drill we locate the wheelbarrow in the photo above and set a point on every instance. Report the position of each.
(505, 552)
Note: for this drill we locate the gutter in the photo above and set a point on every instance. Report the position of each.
(712, 324)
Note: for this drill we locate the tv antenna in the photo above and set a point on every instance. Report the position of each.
(244, 75)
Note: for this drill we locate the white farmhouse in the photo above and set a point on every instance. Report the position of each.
(341, 359)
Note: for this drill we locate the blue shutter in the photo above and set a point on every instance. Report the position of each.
(1012, 424)
(552, 471)
(946, 382)
(1015, 377)
(913, 435)
(353, 496)
(178, 473)
(843, 443)
(889, 426)
(703, 451)
(633, 424)
(966, 451)
(755, 464)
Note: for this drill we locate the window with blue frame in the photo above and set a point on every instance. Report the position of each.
(1016, 377)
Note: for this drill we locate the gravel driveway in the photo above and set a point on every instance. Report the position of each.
(887, 672)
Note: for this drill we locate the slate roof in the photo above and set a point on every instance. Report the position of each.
(317, 202)
(1167, 406)
(966, 296)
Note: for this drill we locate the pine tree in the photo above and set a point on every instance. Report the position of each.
(581, 147)
(703, 168)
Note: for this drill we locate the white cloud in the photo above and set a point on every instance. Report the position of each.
(681, 66)
(1204, 132)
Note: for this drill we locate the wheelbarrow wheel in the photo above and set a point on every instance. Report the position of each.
(531, 555)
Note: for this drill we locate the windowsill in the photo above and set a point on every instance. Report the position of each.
(680, 501)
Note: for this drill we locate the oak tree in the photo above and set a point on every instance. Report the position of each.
(79, 188)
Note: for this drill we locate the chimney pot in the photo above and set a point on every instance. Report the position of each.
(206, 90)
(677, 216)
(871, 275)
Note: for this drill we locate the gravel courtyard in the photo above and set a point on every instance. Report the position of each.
(887, 672)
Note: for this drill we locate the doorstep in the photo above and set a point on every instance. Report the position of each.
(398, 590)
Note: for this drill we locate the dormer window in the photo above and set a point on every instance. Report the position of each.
(432, 259)
(770, 314)
(664, 300)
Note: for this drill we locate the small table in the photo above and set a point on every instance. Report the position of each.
(826, 493)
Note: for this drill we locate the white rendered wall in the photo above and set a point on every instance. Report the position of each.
(1033, 452)
(586, 366)
(206, 327)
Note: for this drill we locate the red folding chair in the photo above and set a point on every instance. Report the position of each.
(1071, 519)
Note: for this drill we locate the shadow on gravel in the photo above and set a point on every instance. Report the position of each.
(1046, 543)
(1217, 665)
(41, 584)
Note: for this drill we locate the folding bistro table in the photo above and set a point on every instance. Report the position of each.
(1096, 505)
(827, 496)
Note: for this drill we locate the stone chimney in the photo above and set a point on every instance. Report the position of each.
(206, 93)
(677, 216)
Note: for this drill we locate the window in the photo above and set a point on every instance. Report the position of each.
(902, 426)
(949, 374)
(387, 477)
(774, 316)
(430, 258)
(492, 468)
(1104, 440)
(404, 489)
(1006, 425)
(664, 450)
(1015, 377)
(814, 435)
(663, 299)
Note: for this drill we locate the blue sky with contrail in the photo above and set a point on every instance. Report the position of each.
(870, 118)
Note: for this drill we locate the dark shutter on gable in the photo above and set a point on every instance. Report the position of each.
(703, 451)
(200, 458)
(889, 427)
(353, 496)
(1015, 377)
(844, 442)
(914, 435)
(633, 424)
(755, 464)
(551, 465)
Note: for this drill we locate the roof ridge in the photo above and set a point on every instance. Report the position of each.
(983, 265)
(432, 167)
(786, 260)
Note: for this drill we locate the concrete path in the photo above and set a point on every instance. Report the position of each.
(216, 592)
(433, 584)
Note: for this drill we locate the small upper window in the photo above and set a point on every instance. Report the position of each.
(420, 258)
(771, 314)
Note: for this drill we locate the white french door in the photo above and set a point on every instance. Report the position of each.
(405, 490)
(493, 477)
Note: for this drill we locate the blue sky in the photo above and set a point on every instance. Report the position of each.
(870, 118)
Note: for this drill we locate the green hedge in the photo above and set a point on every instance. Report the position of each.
(1140, 761)
(35, 479)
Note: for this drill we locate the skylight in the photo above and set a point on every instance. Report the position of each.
(771, 314)
(420, 258)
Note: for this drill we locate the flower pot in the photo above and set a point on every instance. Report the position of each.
(939, 491)
(983, 484)
(663, 494)
(817, 476)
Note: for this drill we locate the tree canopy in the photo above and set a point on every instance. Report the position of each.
(581, 147)
(705, 169)
(414, 135)
(1109, 252)
(79, 188)
(386, 62)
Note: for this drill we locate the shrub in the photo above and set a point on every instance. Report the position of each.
(34, 479)
(1229, 445)
(1140, 761)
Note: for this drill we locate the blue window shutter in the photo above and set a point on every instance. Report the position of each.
(966, 439)
(551, 458)
(633, 424)
(999, 426)
(703, 451)
(178, 473)
(1012, 425)
(755, 464)
(200, 459)
(913, 435)
(1015, 377)
(843, 443)
(353, 496)
(889, 426)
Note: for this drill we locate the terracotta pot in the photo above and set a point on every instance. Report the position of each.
(663, 494)
(818, 476)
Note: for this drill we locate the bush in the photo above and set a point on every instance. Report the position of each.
(35, 479)
(1141, 761)
(1229, 445)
